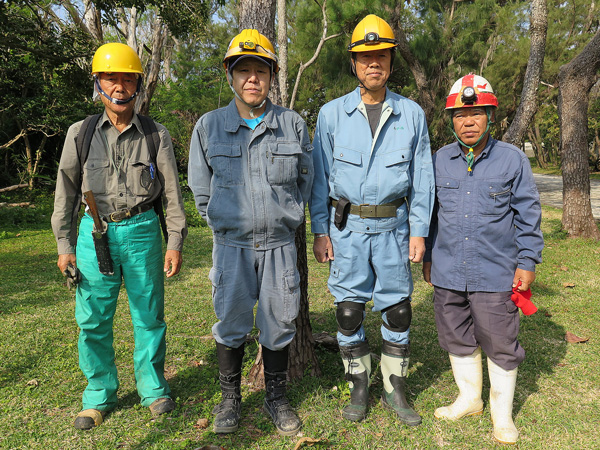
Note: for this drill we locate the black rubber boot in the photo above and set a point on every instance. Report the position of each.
(357, 364)
(276, 404)
(228, 412)
(394, 368)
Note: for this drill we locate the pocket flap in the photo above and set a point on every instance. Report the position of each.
(448, 183)
(397, 157)
(231, 150)
(286, 149)
(347, 155)
(93, 163)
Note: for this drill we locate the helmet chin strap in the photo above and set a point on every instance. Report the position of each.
(117, 101)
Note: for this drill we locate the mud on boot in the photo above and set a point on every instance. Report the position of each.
(277, 405)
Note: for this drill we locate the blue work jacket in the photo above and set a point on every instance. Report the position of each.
(486, 222)
(352, 163)
(251, 185)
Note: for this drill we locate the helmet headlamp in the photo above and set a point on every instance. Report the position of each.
(468, 95)
(247, 45)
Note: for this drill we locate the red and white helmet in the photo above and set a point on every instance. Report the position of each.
(470, 91)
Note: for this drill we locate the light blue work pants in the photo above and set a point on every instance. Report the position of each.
(241, 277)
(371, 266)
(136, 251)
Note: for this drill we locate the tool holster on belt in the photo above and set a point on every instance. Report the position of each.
(342, 209)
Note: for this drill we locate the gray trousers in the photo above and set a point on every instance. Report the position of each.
(241, 277)
(466, 320)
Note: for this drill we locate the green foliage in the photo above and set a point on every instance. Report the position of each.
(44, 82)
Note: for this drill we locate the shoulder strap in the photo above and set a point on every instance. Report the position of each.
(84, 140)
(152, 137)
(153, 143)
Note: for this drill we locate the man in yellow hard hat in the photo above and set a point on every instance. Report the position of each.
(250, 170)
(124, 171)
(485, 242)
(370, 208)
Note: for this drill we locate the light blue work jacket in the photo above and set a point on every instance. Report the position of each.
(251, 185)
(352, 163)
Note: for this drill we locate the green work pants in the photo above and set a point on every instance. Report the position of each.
(136, 251)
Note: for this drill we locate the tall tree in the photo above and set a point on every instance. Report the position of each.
(260, 14)
(575, 82)
(528, 105)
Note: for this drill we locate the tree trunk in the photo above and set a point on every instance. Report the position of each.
(282, 38)
(528, 106)
(159, 36)
(260, 15)
(575, 82)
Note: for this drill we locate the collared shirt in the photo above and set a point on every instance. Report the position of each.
(251, 185)
(488, 220)
(120, 173)
(366, 168)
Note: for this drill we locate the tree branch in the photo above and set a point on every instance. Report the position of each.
(303, 67)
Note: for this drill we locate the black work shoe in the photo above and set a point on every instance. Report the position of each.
(285, 419)
(162, 406)
(228, 413)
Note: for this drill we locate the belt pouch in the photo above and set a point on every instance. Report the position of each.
(341, 213)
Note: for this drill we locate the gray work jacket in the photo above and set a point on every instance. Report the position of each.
(251, 185)
(119, 172)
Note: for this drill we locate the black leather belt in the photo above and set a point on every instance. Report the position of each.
(123, 214)
(374, 211)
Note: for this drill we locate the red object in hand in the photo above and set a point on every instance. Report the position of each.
(523, 300)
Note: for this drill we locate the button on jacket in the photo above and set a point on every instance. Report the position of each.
(251, 185)
(488, 220)
(118, 171)
(352, 163)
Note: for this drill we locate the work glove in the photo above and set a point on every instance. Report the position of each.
(523, 300)
(73, 275)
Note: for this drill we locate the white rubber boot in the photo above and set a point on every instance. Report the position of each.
(502, 391)
(468, 375)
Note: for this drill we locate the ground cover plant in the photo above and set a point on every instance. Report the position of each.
(557, 402)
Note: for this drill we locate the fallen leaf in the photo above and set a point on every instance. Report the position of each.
(564, 268)
(573, 339)
(202, 423)
(569, 285)
(33, 383)
(307, 440)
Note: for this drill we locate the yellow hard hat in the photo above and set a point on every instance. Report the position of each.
(252, 43)
(116, 57)
(372, 33)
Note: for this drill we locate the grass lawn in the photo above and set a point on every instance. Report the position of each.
(557, 401)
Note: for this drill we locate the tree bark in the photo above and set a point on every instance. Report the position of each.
(528, 106)
(282, 38)
(575, 82)
(260, 15)
(159, 36)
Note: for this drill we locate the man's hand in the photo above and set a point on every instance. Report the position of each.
(525, 276)
(323, 249)
(64, 260)
(427, 272)
(173, 262)
(416, 249)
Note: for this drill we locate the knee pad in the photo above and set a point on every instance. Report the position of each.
(349, 316)
(398, 316)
